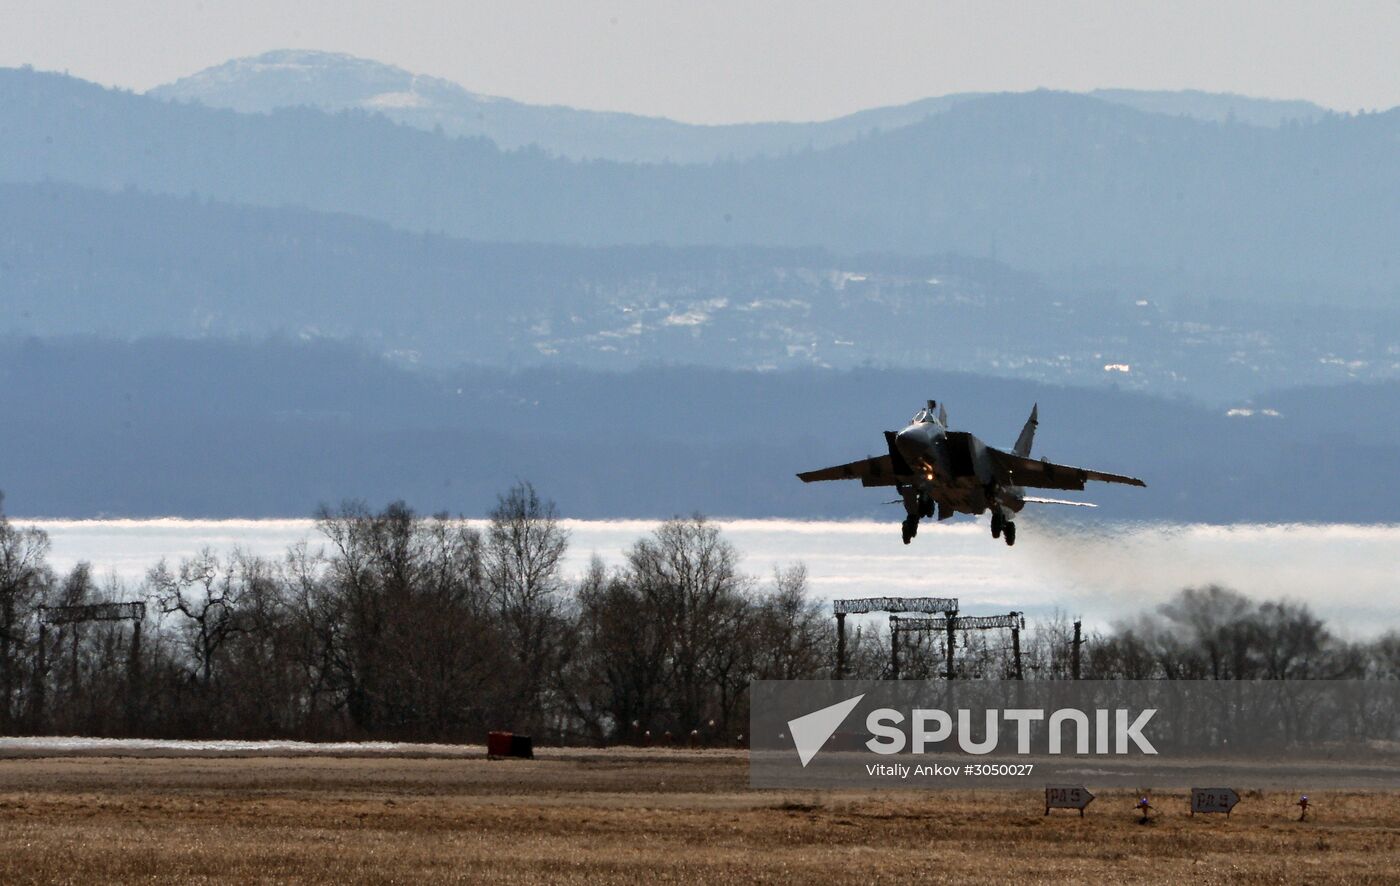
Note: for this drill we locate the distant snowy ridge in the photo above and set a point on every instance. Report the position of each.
(332, 81)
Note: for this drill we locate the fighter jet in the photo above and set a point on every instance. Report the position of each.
(936, 470)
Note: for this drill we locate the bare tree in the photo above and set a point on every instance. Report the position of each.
(1384, 656)
(1209, 635)
(404, 636)
(794, 632)
(206, 594)
(24, 577)
(1291, 643)
(1049, 648)
(523, 559)
(689, 580)
(616, 685)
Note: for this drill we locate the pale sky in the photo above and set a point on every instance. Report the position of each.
(713, 61)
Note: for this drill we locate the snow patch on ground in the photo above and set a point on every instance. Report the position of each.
(66, 745)
(396, 100)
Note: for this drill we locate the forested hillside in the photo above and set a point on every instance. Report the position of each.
(129, 264)
(214, 428)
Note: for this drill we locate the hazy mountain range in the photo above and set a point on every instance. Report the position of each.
(336, 82)
(1069, 186)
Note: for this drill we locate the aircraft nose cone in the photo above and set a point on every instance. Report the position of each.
(910, 442)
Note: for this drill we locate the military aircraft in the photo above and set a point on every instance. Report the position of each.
(936, 470)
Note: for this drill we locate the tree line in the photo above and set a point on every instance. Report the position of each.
(422, 627)
(411, 627)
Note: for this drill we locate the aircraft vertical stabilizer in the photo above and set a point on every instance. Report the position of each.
(1023, 442)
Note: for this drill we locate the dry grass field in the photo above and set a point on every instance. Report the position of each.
(626, 817)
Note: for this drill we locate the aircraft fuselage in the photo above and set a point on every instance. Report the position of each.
(952, 474)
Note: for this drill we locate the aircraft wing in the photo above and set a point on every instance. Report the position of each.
(878, 471)
(1048, 475)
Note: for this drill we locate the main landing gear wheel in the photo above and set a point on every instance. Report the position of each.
(1009, 533)
(911, 528)
(927, 509)
(998, 523)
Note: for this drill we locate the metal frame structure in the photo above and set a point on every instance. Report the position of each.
(63, 615)
(894, 604)
(949, 624)
(866, 605)
(79, 613)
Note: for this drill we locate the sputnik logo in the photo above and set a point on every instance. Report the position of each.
(810, 731)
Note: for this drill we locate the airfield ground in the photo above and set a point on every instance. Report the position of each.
(628, 816)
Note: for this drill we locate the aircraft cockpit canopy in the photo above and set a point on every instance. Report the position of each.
(928, 414)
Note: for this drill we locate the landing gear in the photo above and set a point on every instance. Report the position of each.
(1002, 527)
(911, 528)
(926, 508)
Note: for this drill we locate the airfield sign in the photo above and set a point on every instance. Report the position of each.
(1213, 800)
(1067, 796)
